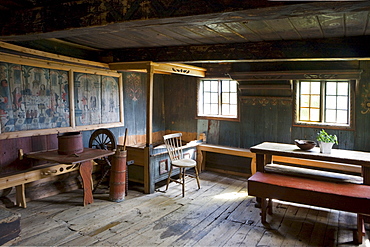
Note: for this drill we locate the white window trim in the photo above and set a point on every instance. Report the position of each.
(216, 117)
(349, 126)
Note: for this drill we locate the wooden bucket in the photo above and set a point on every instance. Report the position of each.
(117, 182)
(70, 143)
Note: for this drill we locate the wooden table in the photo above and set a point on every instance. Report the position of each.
(266, 150)
(84, 159)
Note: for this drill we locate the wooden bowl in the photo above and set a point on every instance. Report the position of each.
(305, 144)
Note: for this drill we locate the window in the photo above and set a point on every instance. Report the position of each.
(218, 99)
(324, 102)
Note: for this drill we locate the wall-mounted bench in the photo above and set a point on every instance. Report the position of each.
(203, 148)
(323, 189)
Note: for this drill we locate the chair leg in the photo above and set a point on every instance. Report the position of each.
(169, 178)
(183, 181)
(197, 176)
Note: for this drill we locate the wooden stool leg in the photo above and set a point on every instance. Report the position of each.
(360, 228)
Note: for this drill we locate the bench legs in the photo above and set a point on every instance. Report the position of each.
(20, 196)
(266, 207)
(360, 228)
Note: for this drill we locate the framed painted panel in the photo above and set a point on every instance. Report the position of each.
(57, 98)
(110, 100)
(29, 99)
(87, 89)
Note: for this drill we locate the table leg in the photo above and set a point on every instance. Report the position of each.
(86, 168)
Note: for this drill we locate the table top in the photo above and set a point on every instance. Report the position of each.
(291, 150)
(86, 155)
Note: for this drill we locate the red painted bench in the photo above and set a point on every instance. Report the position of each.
(343, 196)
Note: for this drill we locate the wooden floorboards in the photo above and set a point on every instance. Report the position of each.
(219, 214)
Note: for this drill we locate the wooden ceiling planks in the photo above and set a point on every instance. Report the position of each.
(356, 23)
(175, 30)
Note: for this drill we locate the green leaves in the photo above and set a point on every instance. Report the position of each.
(323, 136)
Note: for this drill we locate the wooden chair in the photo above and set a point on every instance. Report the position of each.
(174, 148)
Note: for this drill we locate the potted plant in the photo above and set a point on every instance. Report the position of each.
(326, 141)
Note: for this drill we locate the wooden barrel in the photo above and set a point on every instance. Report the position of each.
(117, 182)
(70, 143)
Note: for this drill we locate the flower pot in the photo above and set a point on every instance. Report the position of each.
(325, 147)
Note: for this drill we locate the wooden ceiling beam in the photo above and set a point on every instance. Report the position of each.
(350, 48)
(159, 68)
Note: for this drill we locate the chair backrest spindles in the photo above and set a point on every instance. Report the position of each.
(174, 145)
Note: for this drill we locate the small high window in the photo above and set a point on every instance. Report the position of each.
(324, 102)
(218, 99)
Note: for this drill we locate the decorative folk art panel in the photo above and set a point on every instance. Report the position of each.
(38, 98)
(33, 98)
(96, 99)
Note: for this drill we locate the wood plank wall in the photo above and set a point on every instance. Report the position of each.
(175, 106)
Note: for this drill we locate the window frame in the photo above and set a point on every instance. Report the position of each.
(217, 117)
(351, 98)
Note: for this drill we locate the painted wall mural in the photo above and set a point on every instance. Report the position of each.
(96, 99)
(33, 98)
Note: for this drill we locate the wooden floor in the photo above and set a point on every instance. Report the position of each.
(219, 214)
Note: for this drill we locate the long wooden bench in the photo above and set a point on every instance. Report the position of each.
(19, 179)
(345, 196)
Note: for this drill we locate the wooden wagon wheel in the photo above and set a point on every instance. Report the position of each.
(103, 139)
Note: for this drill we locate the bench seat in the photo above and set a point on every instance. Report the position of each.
(312, 173)
(342, 196)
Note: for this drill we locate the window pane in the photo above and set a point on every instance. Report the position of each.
(207, 109)
(305, 101)
(305, 87)
(343, 88)
(342, 117)
(207, 98)
(233, 98)
(225, 98)
(207, 86)
(315, 100)
(315, 87)
(233, 110)
(225, 109)
(342, 103)
(331, 88)
(214, 109)
(336, 97)
(214, 98)
(225, 86)
(218, 98)
(314, 114)
(304, 114)
(331, 102)
(214, 86)
(331, 116)
(233, 86)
